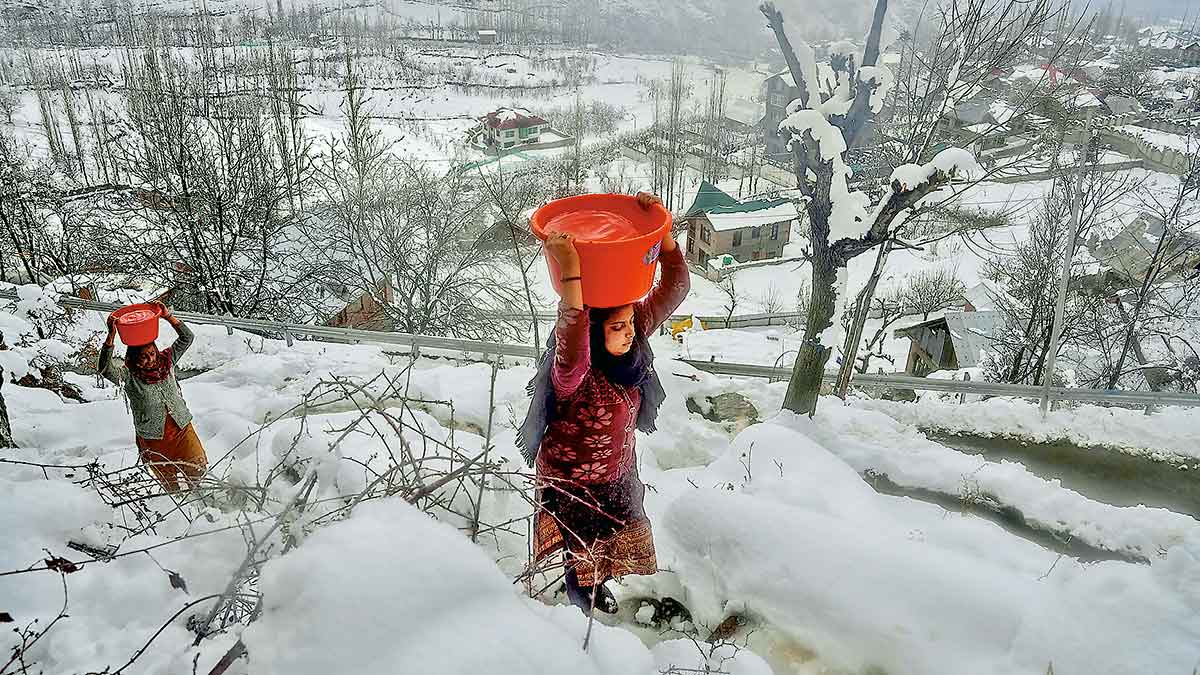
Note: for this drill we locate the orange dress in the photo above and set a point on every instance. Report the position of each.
(178, 452)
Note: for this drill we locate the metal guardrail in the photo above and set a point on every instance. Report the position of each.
(960, 387)
(456, 345)
(710, 322)
(320, 333)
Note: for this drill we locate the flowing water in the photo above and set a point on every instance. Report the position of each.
(1100, 474)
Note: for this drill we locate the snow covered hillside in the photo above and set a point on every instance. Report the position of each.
(768, 522)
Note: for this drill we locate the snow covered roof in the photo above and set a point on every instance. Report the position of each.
(1001, 112)
(983, 295)
(727, 222)
(1119, 105)
(787, 77)
(985, 128)
(488, 32)
(512, 118)
(744, 112)
(970, 332)
(726, 213)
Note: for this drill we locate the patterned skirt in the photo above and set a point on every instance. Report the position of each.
(602, 526)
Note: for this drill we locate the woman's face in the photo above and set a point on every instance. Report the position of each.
(148, 358)
(619, 331)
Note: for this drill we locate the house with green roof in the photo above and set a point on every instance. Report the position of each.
(719, 225)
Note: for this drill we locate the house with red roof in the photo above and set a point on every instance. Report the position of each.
(511, 127)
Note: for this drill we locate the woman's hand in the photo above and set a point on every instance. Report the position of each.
(561, 247)
(648, 199)
(165, 312)
(112, 327)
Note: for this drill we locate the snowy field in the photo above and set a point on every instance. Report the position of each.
(772, 523)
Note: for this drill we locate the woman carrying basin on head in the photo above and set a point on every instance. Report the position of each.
(594, 387)
(166, 441)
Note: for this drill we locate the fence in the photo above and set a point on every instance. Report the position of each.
(709, 322)
(456, 345)
(1138, 398)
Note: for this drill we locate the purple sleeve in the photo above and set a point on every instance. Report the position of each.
(572, 350)
(670, 291)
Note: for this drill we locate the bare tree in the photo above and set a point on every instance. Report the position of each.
(729, 289)
(835, 104)
(1132, 76)
(205, 215)
(932, 291)
(771, 301)
(1174, 243)
(408, 239)
(10, 102)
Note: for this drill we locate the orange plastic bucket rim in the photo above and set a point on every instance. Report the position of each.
(137, 324)
(616, 271)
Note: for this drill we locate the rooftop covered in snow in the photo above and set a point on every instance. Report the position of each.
(512, 118)
(725, 213)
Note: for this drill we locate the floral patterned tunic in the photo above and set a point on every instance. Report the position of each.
(588, 486)
(591, 436)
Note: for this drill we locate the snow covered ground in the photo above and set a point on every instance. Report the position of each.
(773, 524)
(1168, 434)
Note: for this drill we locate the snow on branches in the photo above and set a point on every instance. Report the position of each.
(949, 162)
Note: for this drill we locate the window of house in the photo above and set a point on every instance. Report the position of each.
(691, 245)
(510, 133)
(737, 238)
(704, 235)
(775, 231)
(754, 233)
(777, 100)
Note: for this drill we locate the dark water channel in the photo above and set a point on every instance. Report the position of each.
(1099, 474)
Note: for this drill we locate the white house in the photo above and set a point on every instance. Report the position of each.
(509, 127)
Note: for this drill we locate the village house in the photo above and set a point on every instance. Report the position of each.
(777, 92)
(1129, 254)
(951, 342)
(487, 37)
(368, 310)
(719, 225)
(1177, 48)
(510, 127)
(743, 116)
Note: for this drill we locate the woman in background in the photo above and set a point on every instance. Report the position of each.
(166, 441)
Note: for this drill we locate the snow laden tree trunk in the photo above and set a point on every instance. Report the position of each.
(6, 440)
(835, 103)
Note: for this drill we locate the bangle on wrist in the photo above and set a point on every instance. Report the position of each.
(566, 280)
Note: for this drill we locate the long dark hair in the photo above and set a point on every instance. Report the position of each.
(634, 368)
(629, 369)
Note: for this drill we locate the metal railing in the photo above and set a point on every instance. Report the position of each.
(456, 345)
(976, 387)
(320, 333)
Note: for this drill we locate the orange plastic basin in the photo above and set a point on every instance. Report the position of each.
(137, 324)
(618, 243)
